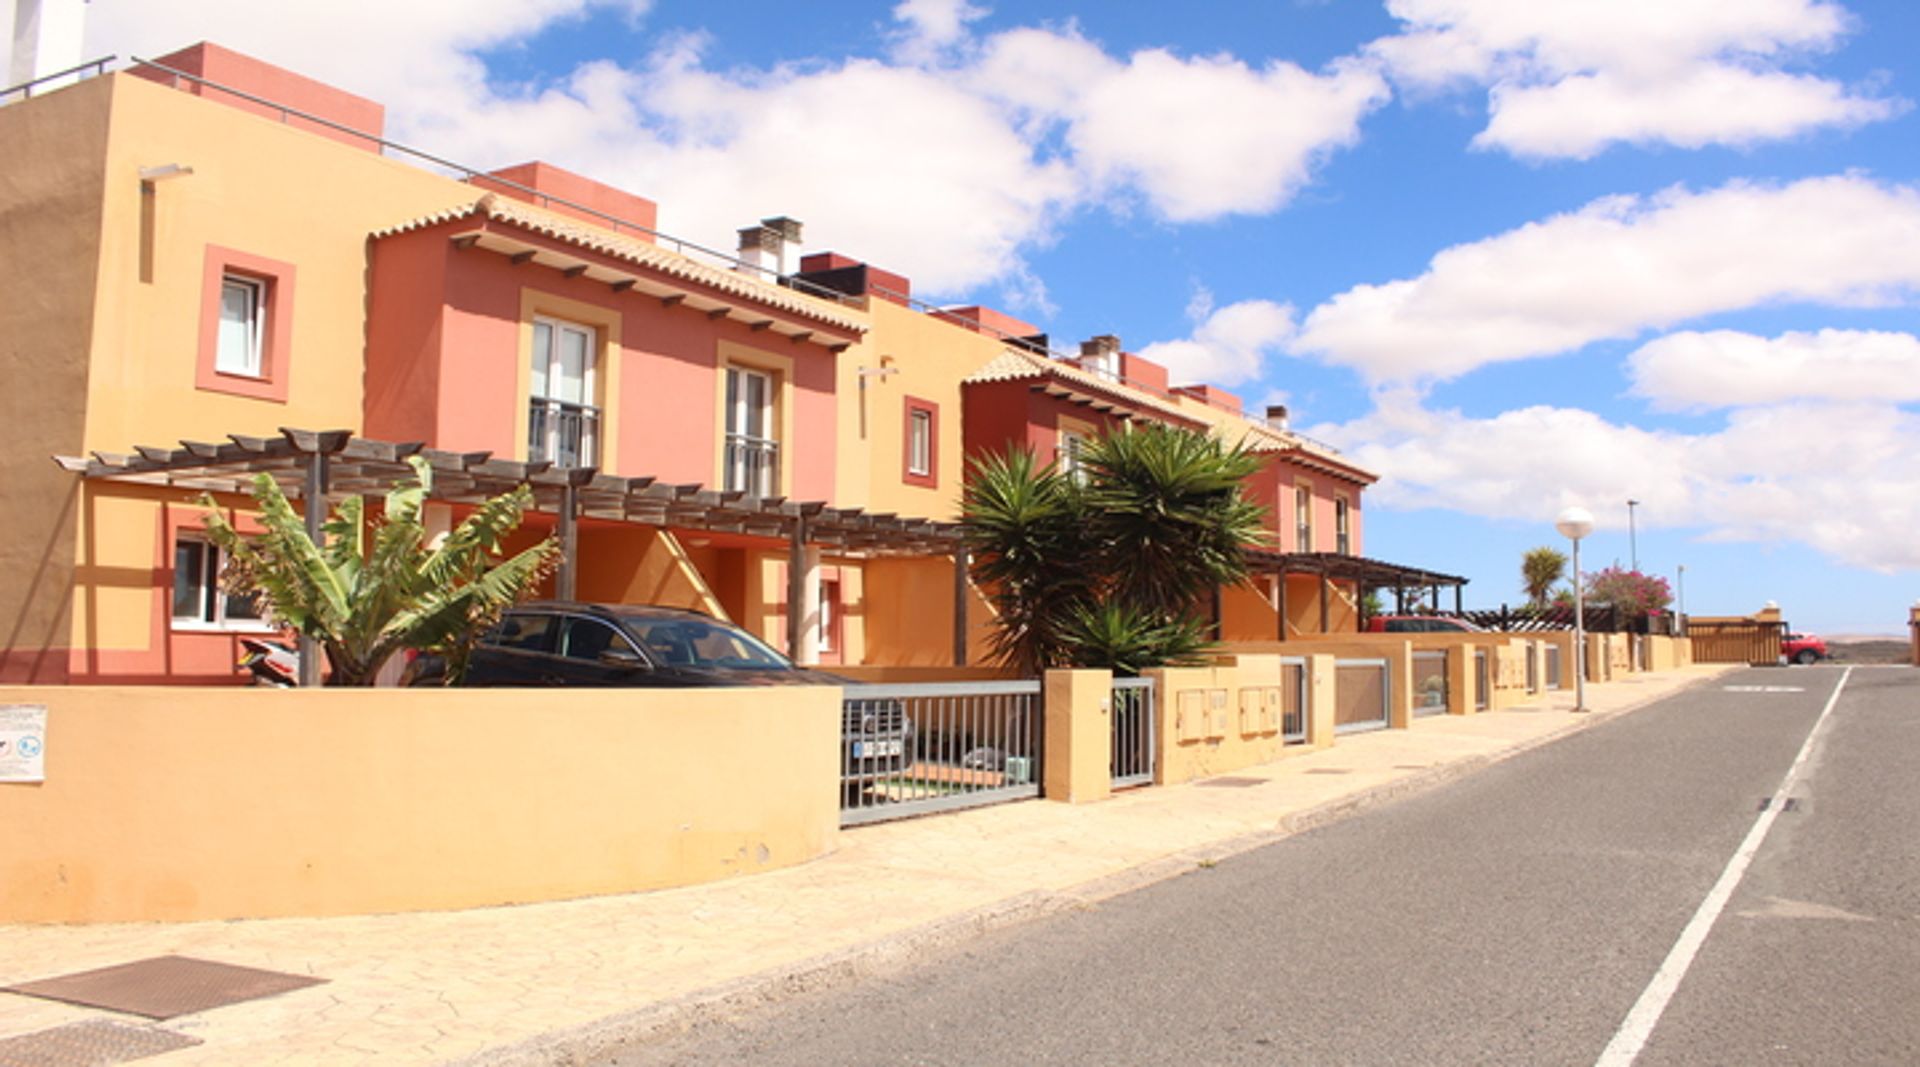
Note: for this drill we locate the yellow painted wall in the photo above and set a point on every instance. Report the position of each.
(1208, 723)
(258, 187)
(171, 804)
(641, 565)
(910, 614)
(51, 175)
(928, 359)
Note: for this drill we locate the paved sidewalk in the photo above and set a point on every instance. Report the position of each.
(546, 983)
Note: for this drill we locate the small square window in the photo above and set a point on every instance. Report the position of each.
(242, 312)
(198, 601)
(921, 463)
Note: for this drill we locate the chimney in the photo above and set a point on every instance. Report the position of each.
(773, 246)
(1277, 416)
(46, 36)
(1101, 355)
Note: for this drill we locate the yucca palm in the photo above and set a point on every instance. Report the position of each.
(1111, 571)
(370, 592)
(1023, 524)
(1167, 519)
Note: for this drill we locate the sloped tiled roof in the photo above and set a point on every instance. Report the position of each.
(632, 250)
(1016, 365)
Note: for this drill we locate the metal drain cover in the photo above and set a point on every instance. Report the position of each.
(164, 986)
(92, 1043)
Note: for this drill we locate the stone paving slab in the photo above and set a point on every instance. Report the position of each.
(538, 983)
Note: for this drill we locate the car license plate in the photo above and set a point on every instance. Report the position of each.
(874, 749)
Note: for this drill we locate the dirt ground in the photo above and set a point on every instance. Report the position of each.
(1873, 651)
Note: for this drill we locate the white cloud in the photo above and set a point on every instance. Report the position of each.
(1210, 136)
(1570, 79)
(947, 160)
(1622, 265)
(1836, 477)
(1229, 345)
(1726, 368)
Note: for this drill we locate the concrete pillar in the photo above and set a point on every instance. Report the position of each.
(1079, 738)
(1400, 684)
(1320, 700)
(1460, 695)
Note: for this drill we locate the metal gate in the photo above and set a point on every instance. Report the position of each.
(1293, 699)
(1430, 695)
(1361, 695)
(1533, 668)
(1132, 761)
(1554, 680)
(914, 749)
(1482, 680)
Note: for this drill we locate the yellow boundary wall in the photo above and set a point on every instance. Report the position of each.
(176, 804)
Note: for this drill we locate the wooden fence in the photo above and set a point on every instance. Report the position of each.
(1736, 641)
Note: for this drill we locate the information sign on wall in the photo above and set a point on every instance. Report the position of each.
(23, 742)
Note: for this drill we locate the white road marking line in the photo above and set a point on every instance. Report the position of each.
(1639, 1023)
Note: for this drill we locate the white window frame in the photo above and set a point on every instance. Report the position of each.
(586, 410)
(1303, 518)
(1342, 525)
(738, 411)
(1073, 448)
(920, 442)
(247, 361)
(210, 610)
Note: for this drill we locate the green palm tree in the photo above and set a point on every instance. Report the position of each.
(371, 591)
(1166, 516)
(1540, 568)
(1112, 570)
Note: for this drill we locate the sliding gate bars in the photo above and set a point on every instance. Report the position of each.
(1293, 699)
(915, 749)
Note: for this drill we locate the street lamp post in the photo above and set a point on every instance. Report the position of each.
(1575, 523)
(1633, 537)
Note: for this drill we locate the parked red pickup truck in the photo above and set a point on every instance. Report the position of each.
(1803, 648)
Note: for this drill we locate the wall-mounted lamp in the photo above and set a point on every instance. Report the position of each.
(164, 171)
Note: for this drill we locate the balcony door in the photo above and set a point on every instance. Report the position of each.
(563, 425)
(753, 456)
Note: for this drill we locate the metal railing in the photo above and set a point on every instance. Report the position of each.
(25, 89)
(1134, 732)
(915, 749)
(1293, 696)
(566, 435)
(1362, 695)
(1430, 690)
(753, 465)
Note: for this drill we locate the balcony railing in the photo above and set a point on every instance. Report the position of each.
(753, 465)
(567, 435)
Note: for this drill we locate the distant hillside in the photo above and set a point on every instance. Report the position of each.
(1870, 650)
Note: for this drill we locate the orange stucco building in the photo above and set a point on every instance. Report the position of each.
(206, 249)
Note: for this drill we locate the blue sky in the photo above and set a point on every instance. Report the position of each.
(1512, 255)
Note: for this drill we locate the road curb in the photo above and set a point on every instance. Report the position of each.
(603, 1038)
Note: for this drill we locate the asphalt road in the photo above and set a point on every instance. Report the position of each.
(1513, 917)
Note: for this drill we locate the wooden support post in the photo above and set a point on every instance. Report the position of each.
(314, 499)
(1280, 605)
(962, 593)
(569, 531)
(1458, 607)
(1326, 594)
(796, 589)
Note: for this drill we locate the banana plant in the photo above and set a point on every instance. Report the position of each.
(372, 589)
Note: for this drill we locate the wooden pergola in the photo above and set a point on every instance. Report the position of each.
(1335, 566)
(313, 464)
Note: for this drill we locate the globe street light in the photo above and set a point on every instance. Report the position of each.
(1575, 523)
